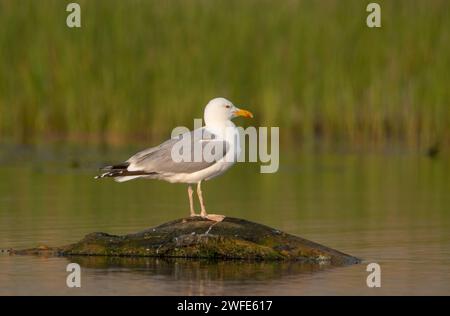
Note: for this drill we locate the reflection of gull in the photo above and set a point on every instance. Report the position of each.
(159, 163)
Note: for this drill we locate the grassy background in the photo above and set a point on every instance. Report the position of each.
(138, 68)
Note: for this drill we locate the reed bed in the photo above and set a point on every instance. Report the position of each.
(135, 69)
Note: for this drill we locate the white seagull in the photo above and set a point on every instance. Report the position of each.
(219, 137)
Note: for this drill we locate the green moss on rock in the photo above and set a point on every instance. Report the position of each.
(196, 237)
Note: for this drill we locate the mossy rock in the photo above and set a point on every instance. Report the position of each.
(197, 237)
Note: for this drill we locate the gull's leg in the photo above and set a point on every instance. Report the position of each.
(213, 217)
(200, 197)
(191, 200)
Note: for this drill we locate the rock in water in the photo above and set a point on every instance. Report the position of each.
(196, 237)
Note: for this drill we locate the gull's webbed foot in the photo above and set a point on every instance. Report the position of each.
(214, 217)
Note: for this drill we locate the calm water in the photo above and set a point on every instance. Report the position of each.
(392, 208)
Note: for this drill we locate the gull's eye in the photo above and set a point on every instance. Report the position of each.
(228, 106)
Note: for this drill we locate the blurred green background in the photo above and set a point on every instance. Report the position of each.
(136, 69)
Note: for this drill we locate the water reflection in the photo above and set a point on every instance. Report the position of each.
(195, 270)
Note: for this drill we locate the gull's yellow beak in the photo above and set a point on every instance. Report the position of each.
(243, 113)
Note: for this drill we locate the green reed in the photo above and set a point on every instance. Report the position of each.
(137, 68)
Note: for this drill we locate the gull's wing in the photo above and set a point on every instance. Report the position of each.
(159, 159)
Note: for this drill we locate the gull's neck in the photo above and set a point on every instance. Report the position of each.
(215, 123)
(219, 127)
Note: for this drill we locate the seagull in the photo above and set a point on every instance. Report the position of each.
(219, 138)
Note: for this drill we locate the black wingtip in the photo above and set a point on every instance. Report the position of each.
(120, 166)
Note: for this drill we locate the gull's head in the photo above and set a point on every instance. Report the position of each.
(220, 110)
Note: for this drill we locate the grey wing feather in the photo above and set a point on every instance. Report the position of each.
(159, 159)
